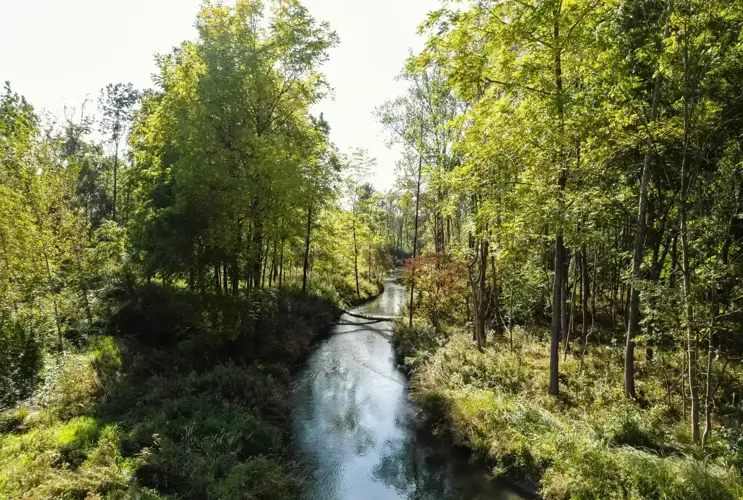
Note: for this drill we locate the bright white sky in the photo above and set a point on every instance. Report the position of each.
(57, 52)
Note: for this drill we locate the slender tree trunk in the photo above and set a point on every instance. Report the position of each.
(83, 286)
(281, 265)
(708, 390)
(482, 283)
(355, 257)
(560, 257)
(415, 236)
(49, 277)
(691, 338)
(691, 334)
(475, 307)
(584, 293)
(556, 316)
(565, 300)
(257, 248)
(571, 322)
(307, 240)
(265, 263)
(274, 265)
(633, 317)
(499, 325)
(235, 264)
(57, 323)
(116, 177)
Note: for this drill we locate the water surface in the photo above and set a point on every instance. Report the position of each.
(354, 420)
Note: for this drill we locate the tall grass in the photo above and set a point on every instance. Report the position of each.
(588, 443)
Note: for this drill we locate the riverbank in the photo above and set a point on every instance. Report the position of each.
(188, 396)
(590, 442)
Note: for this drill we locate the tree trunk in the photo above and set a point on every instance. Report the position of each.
(235, 265)
(691, 340)
(584, 293)
(281, 265)
(560, 271)
(415, 236)
(265, 263)
(482, 283)
(556, 316)
(633, 316)
(708, 390)
(570, 330)
(307, 240)
(274, 266)
(691, 334)
(499, 326)
(258, 249)
(356, 257)
(116, 177)
(565, 300)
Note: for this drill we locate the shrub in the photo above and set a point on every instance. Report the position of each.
(21, 355)
(442, 285)
(411, 342)
(194, 409)
(591, 442)
(70, 386)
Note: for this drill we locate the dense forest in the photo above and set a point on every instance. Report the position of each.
(567, 209)
(581, 173)
(167, 257)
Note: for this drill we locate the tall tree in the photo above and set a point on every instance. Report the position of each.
(117, 103)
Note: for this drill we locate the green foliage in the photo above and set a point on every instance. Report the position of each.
(199, 411)
(413, 344)
(230, 160)
(591, 443)
(221, 187)
(21, 358)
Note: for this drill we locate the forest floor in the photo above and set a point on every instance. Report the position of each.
(186, 396)
(590, 442)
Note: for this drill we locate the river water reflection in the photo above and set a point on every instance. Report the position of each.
(354, 421)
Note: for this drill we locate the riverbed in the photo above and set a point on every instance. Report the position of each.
(354, 422)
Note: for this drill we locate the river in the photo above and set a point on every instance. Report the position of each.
(354, 421)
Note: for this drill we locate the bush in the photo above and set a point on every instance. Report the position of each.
(442, 287)
(21, 356)
(412, 342)
(197, 408)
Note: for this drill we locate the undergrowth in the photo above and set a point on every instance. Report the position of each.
(590, 442)
(186, 397)
(340, 288)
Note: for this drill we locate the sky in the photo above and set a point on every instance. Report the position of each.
(58, 52)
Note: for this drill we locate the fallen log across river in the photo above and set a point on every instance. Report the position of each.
(370, 318)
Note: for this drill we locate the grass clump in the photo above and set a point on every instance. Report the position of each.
(590, 442)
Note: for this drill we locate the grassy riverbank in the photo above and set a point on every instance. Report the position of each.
(590, 442)
(186, 397)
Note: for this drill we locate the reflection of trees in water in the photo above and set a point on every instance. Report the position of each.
(414, 470)
(338, 408)
(390, 302)
(331, 427)
(420, 467)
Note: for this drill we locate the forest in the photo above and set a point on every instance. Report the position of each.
(567, 213)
